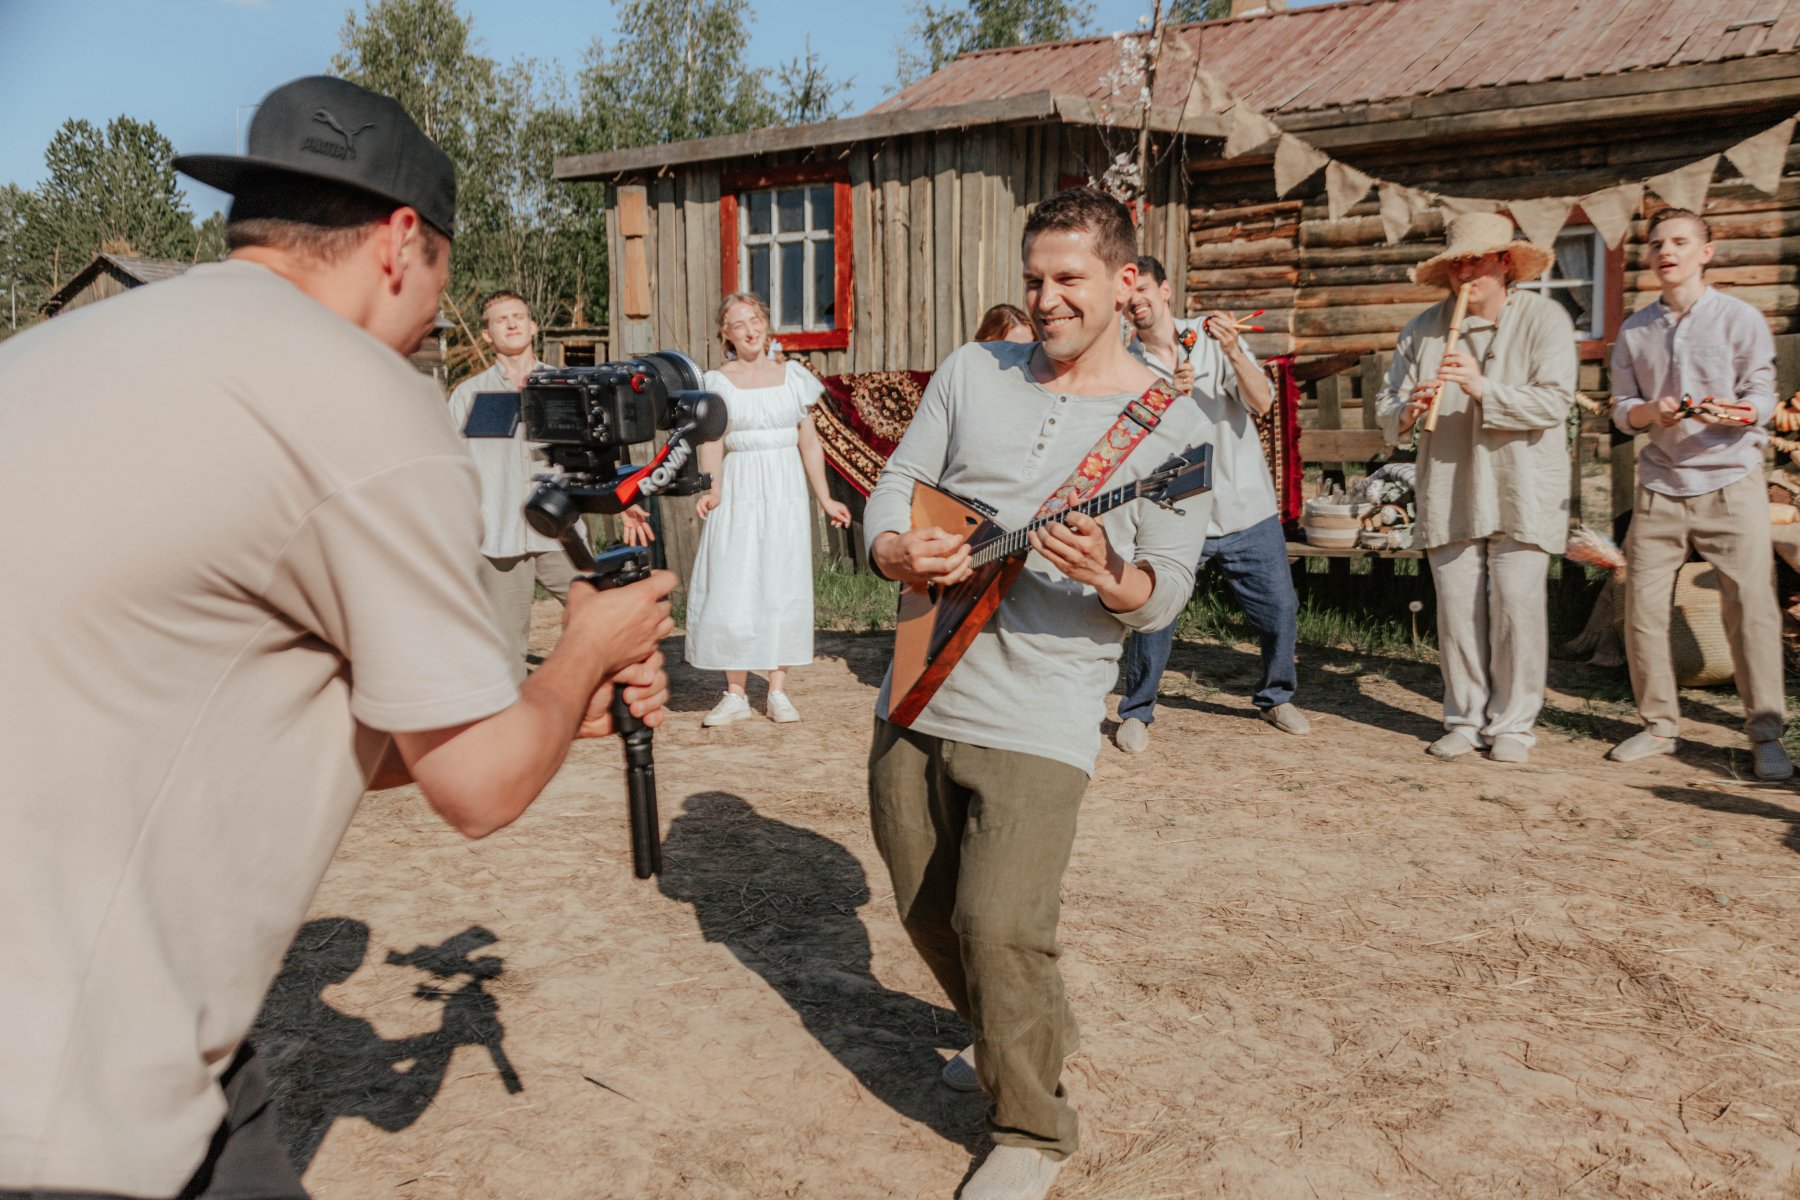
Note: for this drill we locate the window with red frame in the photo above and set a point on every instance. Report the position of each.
(785, 235)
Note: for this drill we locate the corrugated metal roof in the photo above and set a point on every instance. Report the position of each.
(1361, 51)
(146, 270)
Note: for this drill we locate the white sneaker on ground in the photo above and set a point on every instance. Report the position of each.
(1772, 762)
(1509, 748)
(781, 709)
(1133, 736)
(1455, 744)
(959, 1073)
(1642, 744)
(1288, 719)
(1012, 1173)
(731, 707)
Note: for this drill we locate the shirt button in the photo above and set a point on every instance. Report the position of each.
(1040, 445)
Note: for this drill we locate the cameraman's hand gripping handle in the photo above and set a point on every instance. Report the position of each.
(616, 568)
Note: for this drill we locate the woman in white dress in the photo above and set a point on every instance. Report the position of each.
(750, 601)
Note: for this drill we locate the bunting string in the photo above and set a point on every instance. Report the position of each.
(1759, 159)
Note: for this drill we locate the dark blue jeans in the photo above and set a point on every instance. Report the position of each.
(1255, 563)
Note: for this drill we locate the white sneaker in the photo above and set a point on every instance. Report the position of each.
(1455, 744)
(1012, 1173)
(731, 707)
(781, 709)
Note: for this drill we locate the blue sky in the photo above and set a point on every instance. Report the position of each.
(188, 65)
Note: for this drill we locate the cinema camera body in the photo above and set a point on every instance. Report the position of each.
(584, 418)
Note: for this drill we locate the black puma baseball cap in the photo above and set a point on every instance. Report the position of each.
(327, 128)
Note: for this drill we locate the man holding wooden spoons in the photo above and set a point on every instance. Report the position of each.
(1493, 476)
(1700, 486)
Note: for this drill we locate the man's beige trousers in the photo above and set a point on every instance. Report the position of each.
(1493, 634)
(510, 584)
(1730, 529)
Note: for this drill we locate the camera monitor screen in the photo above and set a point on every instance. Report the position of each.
(493, 415)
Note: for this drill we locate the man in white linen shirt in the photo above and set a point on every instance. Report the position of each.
(1700, 486)
(1208, 359)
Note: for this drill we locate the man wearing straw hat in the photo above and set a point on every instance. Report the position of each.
(1493, 475)
(1700, 485)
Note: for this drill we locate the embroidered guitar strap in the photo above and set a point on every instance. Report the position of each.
(1133, 425)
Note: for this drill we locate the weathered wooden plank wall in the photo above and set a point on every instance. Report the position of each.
(936, 221)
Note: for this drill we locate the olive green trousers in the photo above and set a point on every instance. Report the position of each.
(975, 841)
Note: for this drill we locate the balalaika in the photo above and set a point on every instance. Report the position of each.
(938, 624)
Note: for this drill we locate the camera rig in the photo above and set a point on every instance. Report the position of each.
(584, 418)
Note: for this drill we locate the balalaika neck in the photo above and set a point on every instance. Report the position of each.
(1005, 545)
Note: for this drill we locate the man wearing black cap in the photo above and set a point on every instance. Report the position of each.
(188, 716)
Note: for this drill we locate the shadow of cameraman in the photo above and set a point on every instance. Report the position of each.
(325, 1063)
(783, 899)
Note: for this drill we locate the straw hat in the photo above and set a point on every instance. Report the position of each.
(1475, 234)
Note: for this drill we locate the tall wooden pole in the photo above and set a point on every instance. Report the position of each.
(1143, 146)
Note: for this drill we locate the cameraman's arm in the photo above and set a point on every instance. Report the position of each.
(480, 776)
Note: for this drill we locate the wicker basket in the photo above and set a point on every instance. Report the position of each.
(1697, 642)
(1333, 525)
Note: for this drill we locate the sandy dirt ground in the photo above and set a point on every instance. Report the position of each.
(1330, 967)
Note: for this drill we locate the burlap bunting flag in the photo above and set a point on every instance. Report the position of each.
(1206, 96)
(1247, 130)
(1542, 219)
(1400, 206)
(1345, 186)
(1295, 161)
(1610, 211)
(1686, 186)
(1457, 205)
(1760, 159)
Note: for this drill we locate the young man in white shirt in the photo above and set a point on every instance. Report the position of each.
(1245, 534)
(1700, 486)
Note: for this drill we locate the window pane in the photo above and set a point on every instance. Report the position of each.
(792, 300)
(760, 204)
(759, 271)
(821, 209)
(824, 286)
(792, 205)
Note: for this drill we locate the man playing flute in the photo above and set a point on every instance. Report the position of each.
(1493, 478)
(1700, 485)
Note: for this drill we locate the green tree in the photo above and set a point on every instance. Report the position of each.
(938, 35)
(806, 93)
(424, 54)
(523, 228)
(14, 203)
(209, 239)
(677, 72)
(112, 188)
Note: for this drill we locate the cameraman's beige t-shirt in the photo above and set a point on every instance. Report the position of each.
(239, 538)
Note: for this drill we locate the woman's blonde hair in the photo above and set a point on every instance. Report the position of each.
(753, 300)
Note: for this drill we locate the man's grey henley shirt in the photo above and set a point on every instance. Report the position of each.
(1036, 679)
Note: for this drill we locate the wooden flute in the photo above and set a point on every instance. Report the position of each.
(1456, 320)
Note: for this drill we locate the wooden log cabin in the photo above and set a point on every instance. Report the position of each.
(883, 237)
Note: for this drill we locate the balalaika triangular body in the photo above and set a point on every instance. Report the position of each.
(938, 624)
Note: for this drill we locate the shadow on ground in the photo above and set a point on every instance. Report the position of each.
(1764, 805)
(784, 900)
(325, 1064)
